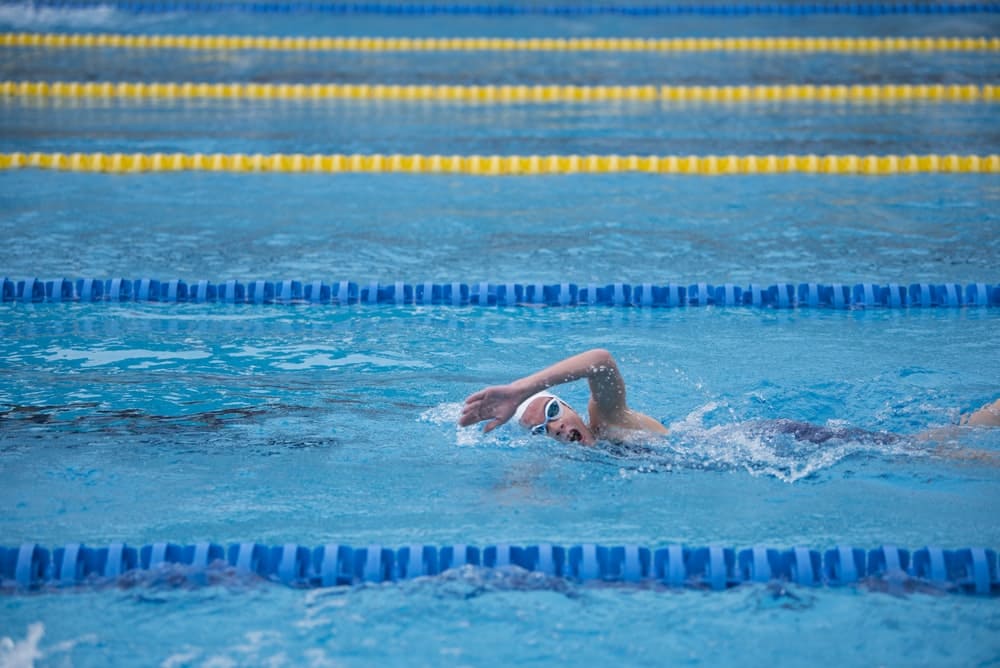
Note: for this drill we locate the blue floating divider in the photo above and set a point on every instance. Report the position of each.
(783, 295)
(231, 292)
(844, 565)
(144, 289)
(973, 570)
(158, 555)
(290, 564)
(670, 565)
(330, 565)
(976, 569)
(202, 292)
(248, 558)
(922, 294)
(116, 559)
(202, 555)
(172, 291)
(759, 564)
(544, 558)
(59, 290)
(932, 564)
(802, 566)
(316, 292)
(713, 566)
(26, 566)
(701, 294)
(888, 561)
(869, 295)
(483, 294)
(628, 563)
(29, 290)
(840, 296)
(523, 8)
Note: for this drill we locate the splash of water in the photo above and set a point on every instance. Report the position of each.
(22, 653)
(773, 448)
(446, 415)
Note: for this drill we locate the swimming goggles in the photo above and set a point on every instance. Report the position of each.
(553, 409)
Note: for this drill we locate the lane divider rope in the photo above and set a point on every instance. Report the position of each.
(971, 570)
(506, 165)
(399, 293)
(668, 44)
(485, 9)
(504, 93)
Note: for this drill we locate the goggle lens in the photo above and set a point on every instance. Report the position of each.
(553, 410)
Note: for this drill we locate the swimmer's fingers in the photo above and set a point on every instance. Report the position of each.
(473, 412)
(490, 426)
(492, 403)
(477, 396)
(469, 416)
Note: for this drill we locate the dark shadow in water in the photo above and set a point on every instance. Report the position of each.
(142, 426)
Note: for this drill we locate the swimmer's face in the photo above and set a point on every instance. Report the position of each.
(567, 427)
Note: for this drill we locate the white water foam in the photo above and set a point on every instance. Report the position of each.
(22, 653)
(760, 451)
(446, 415)
(23, 16)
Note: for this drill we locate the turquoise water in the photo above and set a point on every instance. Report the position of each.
(794, 228)
(148, 422)
(529, 129)
(316, 424)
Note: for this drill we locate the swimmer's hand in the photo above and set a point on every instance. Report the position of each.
(497, 404)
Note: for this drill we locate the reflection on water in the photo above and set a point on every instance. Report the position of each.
(280, 426)
(159, 585)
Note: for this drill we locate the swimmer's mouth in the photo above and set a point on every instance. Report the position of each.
(575, 436)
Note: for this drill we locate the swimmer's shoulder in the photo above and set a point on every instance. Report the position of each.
(634, 427)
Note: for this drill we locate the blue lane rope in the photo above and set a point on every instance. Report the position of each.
(781, 295)
(424, 9)
(972, 570)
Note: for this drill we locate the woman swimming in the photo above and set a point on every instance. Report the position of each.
(610, 418)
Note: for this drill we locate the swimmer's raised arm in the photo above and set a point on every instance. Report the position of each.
(498, 403)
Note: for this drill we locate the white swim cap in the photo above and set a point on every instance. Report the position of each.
(527, 402)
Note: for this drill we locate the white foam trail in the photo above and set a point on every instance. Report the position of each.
(740, 445)
(180, 659)
(22, 653)
(26, 17)
(446, 413)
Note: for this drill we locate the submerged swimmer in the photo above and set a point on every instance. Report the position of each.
(534, 408)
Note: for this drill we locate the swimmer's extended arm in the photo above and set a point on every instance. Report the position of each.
(499, 402)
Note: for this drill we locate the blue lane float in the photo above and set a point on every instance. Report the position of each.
(970, 570)
(648, 295)
(518, 9)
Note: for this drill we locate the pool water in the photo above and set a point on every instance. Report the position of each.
(146, 422)
(317, 425)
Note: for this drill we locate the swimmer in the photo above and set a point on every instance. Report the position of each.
(534, 408)
(541, 412)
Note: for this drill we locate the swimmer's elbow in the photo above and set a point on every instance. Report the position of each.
(599, 357)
